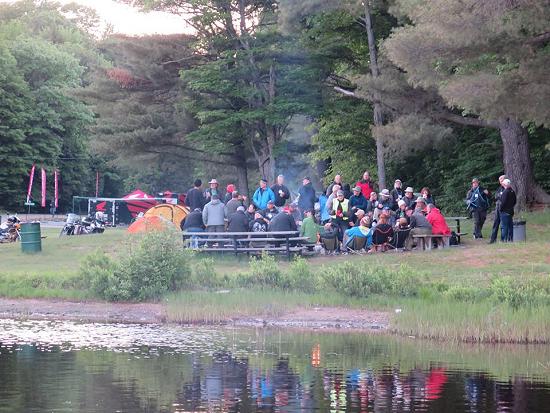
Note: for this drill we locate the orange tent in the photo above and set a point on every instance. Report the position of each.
(170, 212)
(146, 224)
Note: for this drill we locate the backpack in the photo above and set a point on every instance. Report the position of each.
(454, 239)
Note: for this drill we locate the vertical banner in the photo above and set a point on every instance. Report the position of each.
(56, 188)
(43, 181)
(96, 184)
(31, 179)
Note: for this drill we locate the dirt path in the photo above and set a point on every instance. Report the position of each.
(328, 319)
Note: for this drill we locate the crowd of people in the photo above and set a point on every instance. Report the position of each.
(343, 214)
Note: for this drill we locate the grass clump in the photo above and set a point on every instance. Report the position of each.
(149, 266)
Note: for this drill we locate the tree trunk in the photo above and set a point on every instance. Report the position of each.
(242, 171)
(378, 117)
(517, 164)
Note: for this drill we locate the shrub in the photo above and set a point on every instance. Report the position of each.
(299, 277)
(204, 274)
(461, 293)
(150, 265)
(263, 271)
(518, 293)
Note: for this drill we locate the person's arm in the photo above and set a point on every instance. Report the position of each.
(256, 198)
(286, 193)
(205, 215)
(271, 195)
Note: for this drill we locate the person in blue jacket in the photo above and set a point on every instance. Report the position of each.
(263, 195)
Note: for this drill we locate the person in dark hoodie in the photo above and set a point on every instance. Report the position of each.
(238, 221)
(507, 204)
(307, 196)
(282, 193)
(193, 223)
(194, 198)
(496, 221)
(283, 221)
(397, 193)
(357, 200)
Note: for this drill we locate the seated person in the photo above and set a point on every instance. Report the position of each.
(270, 211)
(402, 211)
(436, 218)
(382, 234)
(357, 217)
(400, 234)
(372, 202)
(329, 237)
(359, 231)
(309, 227)
(238, 221)
(283, 221)
(419, 226)
(357, 200)
(259, 224)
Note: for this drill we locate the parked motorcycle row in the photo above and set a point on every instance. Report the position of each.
(10, 230)
(92, 224)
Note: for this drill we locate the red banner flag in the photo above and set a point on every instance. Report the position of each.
(43, 173)
(31, 179)
(56, 188)
(96, 184)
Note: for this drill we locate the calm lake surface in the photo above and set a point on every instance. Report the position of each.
(70, 367)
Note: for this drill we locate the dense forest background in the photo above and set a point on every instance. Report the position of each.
(433, 92)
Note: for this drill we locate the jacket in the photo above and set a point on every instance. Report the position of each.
(280, 200)
(366, 187)
(237, 222)
(418, 220)
(310, 229)
(437, 220)
(194, 199)
(262, 197)
(508, 201)
(344, 205)
(477, 199)
(232, 205)
(214, 213)
(193, 220)
(498, 195)
(282, 222)
(359, 202)
(325, 215)
(307, 197)
(258, 225)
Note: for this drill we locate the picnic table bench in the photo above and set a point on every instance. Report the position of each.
(426, 241)
(282, 242)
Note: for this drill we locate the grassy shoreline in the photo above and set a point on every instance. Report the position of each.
(480, 293)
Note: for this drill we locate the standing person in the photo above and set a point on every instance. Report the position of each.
(397, 193)
(409, 197)
(282, 193)
(338, 181)
(213, 215)
(212, 190)
(235, 202)
(366, 185)
(193, 223)
(194, 198)
(496, 222)
(229, 193)
(477, 200)
(507, 204)
(340, 214)
(307, 198)
(263, 195)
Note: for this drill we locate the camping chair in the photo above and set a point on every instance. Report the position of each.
(357, 244)
(381, 239)
(329, 244)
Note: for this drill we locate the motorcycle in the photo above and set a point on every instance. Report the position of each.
(10, 230)
(92, 224)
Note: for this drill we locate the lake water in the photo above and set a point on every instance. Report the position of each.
(70, 367)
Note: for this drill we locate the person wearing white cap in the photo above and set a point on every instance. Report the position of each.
(507, 205)
(397, 193)
(496, 221)
(409, 197)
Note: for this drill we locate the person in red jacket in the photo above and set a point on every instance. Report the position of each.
(436, 218)
(366, 185)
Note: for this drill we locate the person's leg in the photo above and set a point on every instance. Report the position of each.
(409, 241)
(482, 217)
(505, 226)
(477, 219)
(496, 224)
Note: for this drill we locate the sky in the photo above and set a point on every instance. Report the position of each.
(127, 20)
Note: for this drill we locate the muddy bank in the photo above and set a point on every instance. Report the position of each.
(149, 313)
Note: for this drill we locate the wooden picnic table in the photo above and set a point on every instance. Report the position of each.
(243, 242)
(458, 219)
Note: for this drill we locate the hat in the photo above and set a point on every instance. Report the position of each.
(475, 180)
(307, 177)
(409, 189)
(401, 202)
(340, 192)
(360, 212)
(263, 180)
(384, 192)
(398, 180)
(270, 202)
(420, 199)
(506, 182)
(357, 188)
(213, 181)
(240, 209)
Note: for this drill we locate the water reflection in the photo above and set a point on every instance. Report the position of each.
(68, 367)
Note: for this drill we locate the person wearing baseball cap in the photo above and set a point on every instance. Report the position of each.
(357, 202)
(496, 221)
(477, 200)
(306, 197)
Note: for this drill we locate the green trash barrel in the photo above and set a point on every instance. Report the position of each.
(30, 237)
